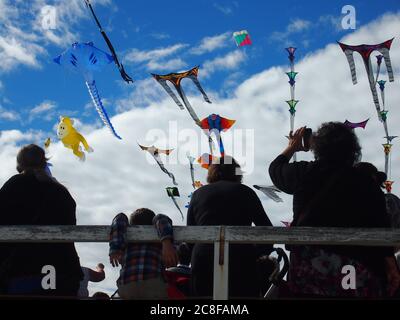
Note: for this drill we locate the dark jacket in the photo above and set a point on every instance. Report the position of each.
(230, 204)
(326, 194)
(24, 200)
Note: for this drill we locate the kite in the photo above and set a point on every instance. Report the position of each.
(383, 115)
(365, 52)
(292, 82)
(379, 59)
(382, 88)
(217, 124)
(195, 184)
(242, 38)
(388, 186)
(387, 148)
(86, 58)
(207, 159)
(270, 192)
(286, 224)
(121, 69)
(176, 79)
(156, 155)
(353, 125)
(173, 192)
(47, 144)
(71, 138)
(390, 138)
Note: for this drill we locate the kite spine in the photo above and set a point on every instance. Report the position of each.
(292, 84)
(383, 118)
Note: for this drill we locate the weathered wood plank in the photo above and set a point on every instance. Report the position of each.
(303, 235)
(209, 234)
(100, 234)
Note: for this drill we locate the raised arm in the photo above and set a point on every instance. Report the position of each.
(163, 225)
(118, 240)
(286, 175)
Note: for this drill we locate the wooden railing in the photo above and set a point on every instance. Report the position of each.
(221, 236)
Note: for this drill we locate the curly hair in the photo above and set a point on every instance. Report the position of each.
(336, 142)
(227, 169)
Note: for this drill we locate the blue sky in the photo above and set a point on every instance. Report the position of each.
(246, 84)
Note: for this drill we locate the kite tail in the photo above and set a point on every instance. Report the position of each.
(292, 116)
(211, 145)
(192, 172)
(386, 163)
(292, 92)
(198, 85)
(385, 127)
(221, 147)
(292, 129)
(350, 59)
(372, 85)
(270, 192)
(292, 122)
(383, 98)
(377, 74)
(292, 66)
(166, 87)
(386, 56)
(94, 94)
(189, 107)
(162, 167)
(177, 206)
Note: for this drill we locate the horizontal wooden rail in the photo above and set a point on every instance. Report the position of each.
(220, 236)
(208, 234)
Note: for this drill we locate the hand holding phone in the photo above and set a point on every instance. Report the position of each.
(307, 139)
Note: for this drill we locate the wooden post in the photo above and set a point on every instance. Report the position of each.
(221, 267)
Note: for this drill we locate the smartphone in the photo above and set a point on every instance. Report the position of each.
(307, 138)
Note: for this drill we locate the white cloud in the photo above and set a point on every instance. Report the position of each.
(173, 64)
(117, 176)
(226, 9)
(136, 55)
(230, 61)
(331, 20)
(295, 26)
(209, 44)
(298, 25)
(18, 46)
(45, 106)
(157, 59)
(8, 115)
(160, 35)
(44, 110)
